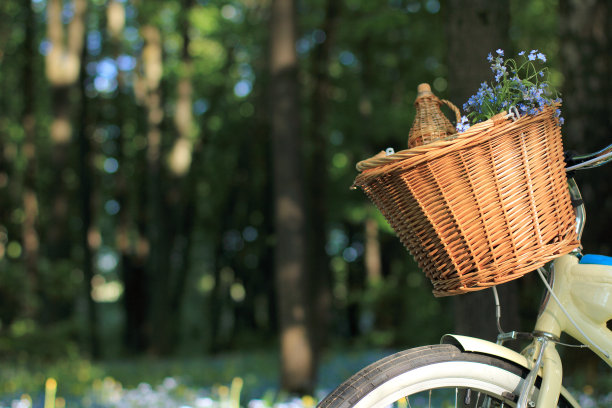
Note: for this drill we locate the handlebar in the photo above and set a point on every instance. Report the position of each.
(580, 162)
(588, 161)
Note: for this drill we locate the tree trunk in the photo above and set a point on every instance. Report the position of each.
(62, 66)
(89, 233)
(319, 261)
(181, 154)
(136, 297)
(181, 190)
(130, 237)
(372, 256)
(157, 247)
(467, 64)
(30, 196)
(487, 21)
(5, 209)
(297, 358)
(586, 46)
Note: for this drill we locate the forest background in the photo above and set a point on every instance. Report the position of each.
(174, 175)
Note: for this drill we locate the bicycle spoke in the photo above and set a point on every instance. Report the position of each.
(468, 397)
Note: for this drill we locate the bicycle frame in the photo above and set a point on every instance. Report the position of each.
(579, 303)
(585, 291)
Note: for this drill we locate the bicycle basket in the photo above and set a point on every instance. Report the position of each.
(482, 209)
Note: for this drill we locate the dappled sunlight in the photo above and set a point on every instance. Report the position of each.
(115, 18)
(63, 61)
(105, 292)
(61, 130)
(179, 159)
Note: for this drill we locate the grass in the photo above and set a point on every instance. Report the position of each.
(229, 381)
(234, 380)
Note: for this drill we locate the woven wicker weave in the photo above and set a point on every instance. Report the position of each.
(480, 210)
(430, 124)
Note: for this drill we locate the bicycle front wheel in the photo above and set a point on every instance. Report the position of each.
(432, 376)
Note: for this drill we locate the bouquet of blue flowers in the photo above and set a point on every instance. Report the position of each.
(520, 87)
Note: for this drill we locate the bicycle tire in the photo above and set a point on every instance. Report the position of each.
(405, 378)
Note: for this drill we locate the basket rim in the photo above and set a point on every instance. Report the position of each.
(475, 134)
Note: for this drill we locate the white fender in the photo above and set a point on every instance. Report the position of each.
(474, 345)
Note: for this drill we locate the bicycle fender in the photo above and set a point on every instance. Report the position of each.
(475, 345)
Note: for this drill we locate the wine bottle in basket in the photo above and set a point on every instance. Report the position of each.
(430, 124)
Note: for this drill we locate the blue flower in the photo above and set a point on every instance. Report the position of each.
(533, 54)
(536, 92)
(498, 76)
(463, 125)
(560, 119)
(508, 89)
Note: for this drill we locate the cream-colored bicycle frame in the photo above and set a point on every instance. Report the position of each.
(585, 292)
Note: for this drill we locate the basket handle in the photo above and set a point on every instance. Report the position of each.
(453, 108)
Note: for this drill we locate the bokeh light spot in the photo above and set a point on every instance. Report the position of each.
(243, 88)
(347, 58)
(111, 165)
(112, 207)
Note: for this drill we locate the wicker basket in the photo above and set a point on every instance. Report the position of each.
(482, 209)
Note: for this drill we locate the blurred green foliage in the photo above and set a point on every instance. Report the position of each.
(381, 50)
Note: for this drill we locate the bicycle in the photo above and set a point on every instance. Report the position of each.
(472, 372)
